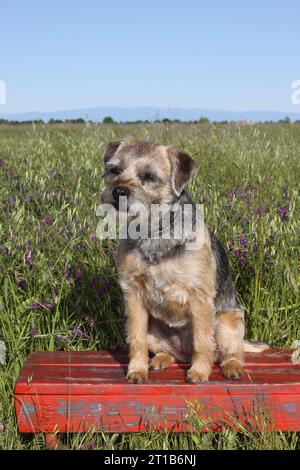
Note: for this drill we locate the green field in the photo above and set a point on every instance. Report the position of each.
(58, 284)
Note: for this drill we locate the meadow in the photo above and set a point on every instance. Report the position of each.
(58, 282)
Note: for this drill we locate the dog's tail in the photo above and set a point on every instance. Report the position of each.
(255, 346)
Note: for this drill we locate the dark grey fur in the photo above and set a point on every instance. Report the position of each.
(153, 249)
(226, 298)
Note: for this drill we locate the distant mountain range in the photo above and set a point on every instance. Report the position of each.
(152, 113)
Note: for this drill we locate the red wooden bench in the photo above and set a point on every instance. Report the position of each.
(77, 391)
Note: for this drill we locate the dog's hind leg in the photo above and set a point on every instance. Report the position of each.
(161, 360)
(159, 346)
(165, 343)
(230, 330)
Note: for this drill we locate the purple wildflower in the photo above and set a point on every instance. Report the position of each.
(111, 255)
(239, 255)
(78, 277)
(28, 255)
(33, 331)
(1, 427)
(243, 241)
(34, 305)
(37, 305)
(230, 195)
(4, 250)
(12, 199)
(78, 274)
(261, 210)
(90, 321)
(21, 283)
(239, 192)
(68, 274)
(248, 199)
(94, 280)
(105, 286)
(47, 305)
(283, 212)
(78, 332)
(47, 219)
(93, 237)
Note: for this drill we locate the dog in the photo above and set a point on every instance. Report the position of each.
(180, 304)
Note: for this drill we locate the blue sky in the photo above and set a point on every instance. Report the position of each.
(235, 55)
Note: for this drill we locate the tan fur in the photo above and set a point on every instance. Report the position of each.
(230, 330)
(137, 323)
(161, 361)
(202, 312)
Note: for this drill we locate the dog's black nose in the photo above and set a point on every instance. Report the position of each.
(120, 191)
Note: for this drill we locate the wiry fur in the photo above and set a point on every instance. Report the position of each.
(180, 304)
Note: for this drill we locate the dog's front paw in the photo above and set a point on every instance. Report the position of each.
(196, 377)
(232, 369)
(137, 376)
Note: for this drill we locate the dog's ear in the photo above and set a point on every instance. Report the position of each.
(111, 149)
(183, 167)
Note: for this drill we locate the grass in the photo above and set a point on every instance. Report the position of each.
(58, 284)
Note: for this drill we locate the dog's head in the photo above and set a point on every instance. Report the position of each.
(144, 173)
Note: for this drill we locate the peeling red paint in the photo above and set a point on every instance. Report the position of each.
(81, 390)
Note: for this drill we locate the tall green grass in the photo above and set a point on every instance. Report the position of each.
(58, 283)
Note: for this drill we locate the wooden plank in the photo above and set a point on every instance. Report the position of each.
(134, 413)
(117, 358)
(103, 371)
(106, 380)
(93, 374)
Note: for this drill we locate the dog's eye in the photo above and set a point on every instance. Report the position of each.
(149, 178)
(113, 171)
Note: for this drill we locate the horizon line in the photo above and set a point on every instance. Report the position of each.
(183, 108)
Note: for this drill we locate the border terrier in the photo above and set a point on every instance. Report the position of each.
(180, 304)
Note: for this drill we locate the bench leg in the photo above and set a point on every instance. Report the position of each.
(52, 440)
